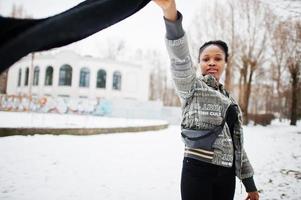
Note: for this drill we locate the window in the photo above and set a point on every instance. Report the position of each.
(117, 80)
(84, 77)
(101, 79)
(49, 75)
(36, 74)
(26, 76)
(65, 76)
(19, 77)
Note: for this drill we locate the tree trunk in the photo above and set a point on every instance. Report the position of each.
(247, 98)
(3, 81)
(294, 98)
(228, 79)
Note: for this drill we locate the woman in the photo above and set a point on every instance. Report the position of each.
(209, 165)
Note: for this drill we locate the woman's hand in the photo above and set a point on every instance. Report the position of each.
(252, 196)
(169, 8)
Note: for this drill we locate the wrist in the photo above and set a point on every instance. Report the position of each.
(170, 13)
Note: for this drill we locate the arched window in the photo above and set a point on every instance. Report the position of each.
(84, 77)
(19, 77)
(101, 79)
(49, 75)
(65, 77)
(117, 80)
(26, 76)
(36, 74)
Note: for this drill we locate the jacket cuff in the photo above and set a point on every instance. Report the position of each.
(249, 184)
(174, 29)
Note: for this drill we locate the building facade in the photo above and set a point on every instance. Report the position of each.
(67, 74)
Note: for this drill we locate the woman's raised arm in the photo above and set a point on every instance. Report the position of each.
(182, 70)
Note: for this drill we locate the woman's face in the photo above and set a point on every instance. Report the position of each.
(212, 61)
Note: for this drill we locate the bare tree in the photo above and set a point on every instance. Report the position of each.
(280, 37)
(241, 24)
(233, 47)
(213, 24)
(251, 53)
(114, 48)
(160, 88)
(294, 66)
(293, 7)
(285, 40)
(158, 72)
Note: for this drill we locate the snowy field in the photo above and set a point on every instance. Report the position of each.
(135, 166)
(53, 120)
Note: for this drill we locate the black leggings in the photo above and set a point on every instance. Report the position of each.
(205, 181)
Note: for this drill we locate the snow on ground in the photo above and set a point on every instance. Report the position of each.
(135, 166)
(53, 120)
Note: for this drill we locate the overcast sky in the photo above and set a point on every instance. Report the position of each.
(144, 29)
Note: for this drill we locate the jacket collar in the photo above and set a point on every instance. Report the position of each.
(210, 80)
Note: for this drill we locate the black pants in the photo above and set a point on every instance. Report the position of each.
(205, 181)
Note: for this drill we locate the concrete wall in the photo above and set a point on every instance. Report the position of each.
(124, 108)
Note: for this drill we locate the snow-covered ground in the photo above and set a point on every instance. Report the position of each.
(135, 166)
(53, 120)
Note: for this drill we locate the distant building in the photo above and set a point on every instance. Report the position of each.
(67, 74)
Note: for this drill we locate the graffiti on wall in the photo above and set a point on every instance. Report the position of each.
(100, 107)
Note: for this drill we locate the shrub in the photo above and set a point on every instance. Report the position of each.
(262, 119)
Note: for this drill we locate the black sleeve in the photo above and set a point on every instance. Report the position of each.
(23, 36)
(231, 118)
(249, 184)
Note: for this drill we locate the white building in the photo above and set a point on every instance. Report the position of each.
(67, 74)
